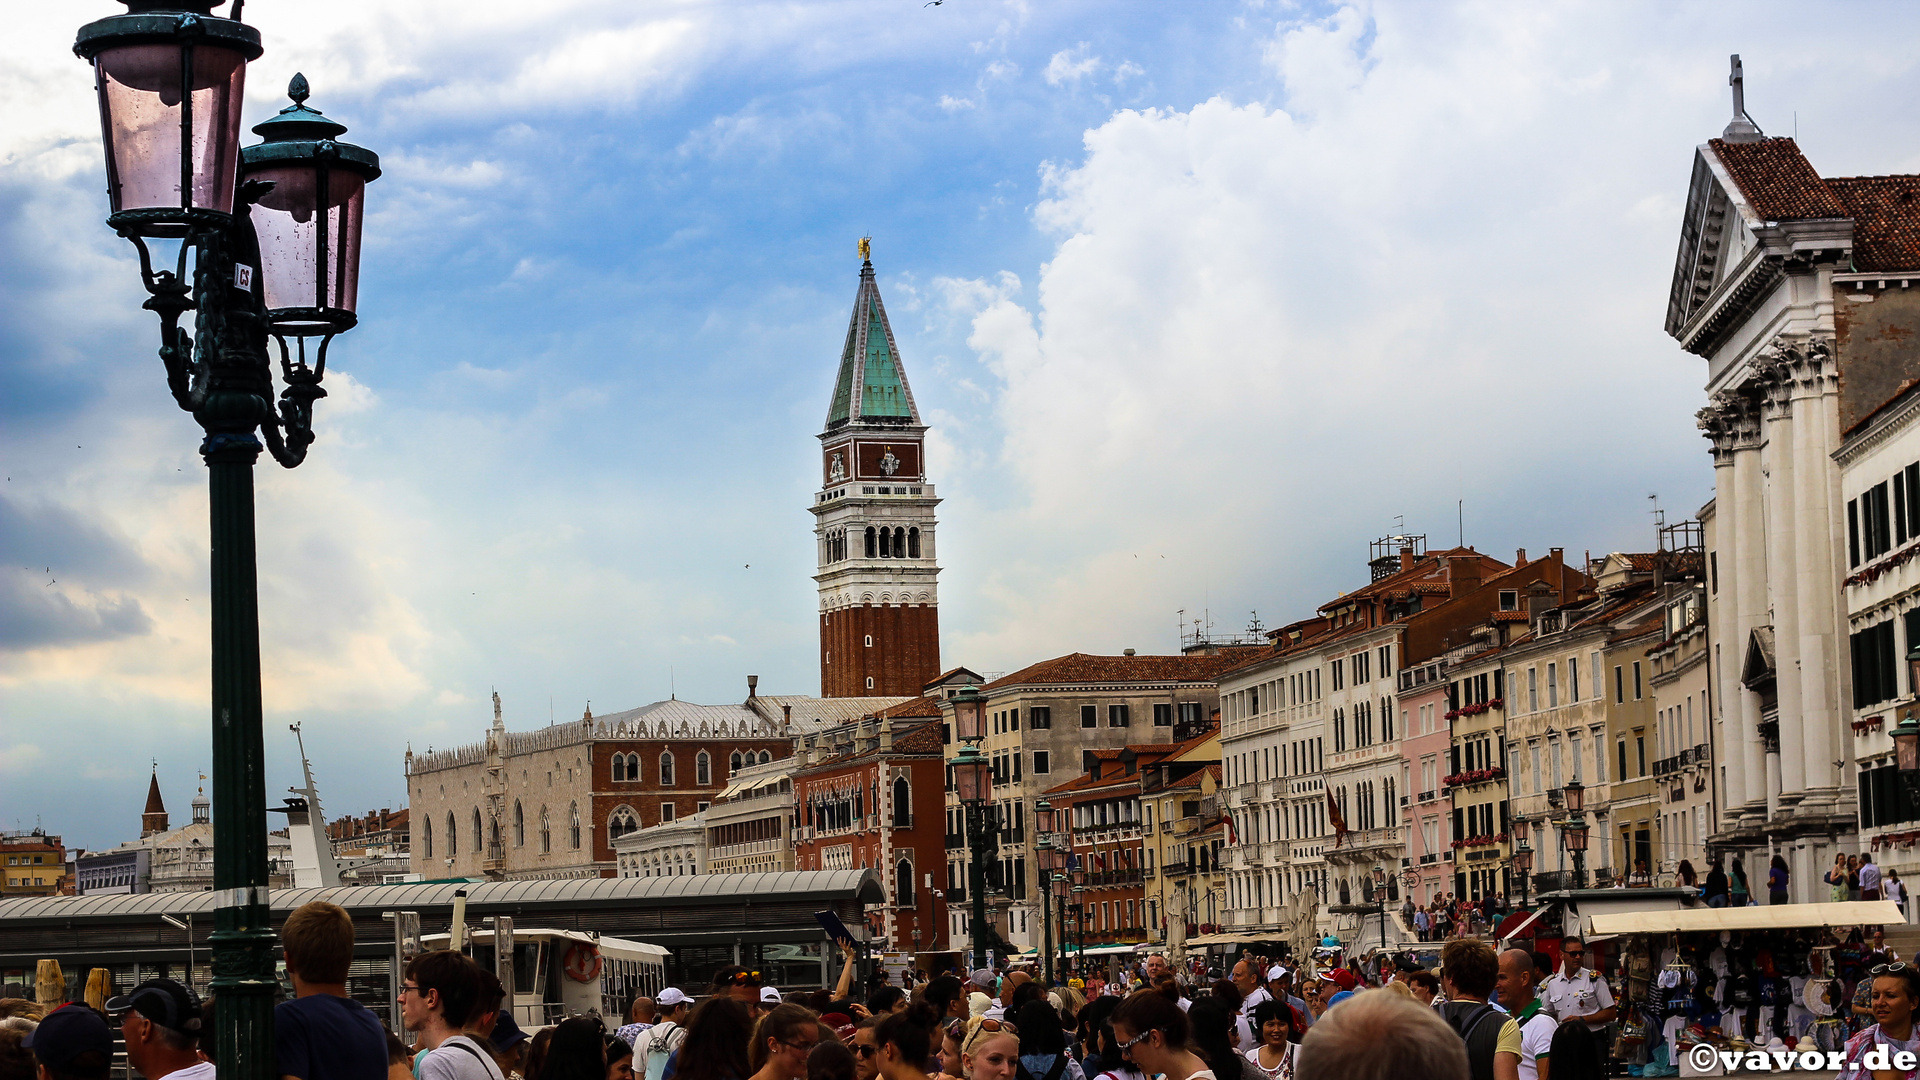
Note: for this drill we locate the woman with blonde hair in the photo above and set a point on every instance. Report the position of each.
(990, 1050)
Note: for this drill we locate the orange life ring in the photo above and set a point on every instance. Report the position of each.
(582, 962)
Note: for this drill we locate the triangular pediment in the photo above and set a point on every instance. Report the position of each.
(1713, 235)
(1757, 669)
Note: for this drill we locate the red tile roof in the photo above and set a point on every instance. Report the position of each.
(1777, 180)
(1886, 220)
(1086, 668)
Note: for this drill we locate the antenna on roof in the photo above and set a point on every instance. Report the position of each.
(1741, 128)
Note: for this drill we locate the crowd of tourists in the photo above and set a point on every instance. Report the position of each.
(1484, 1015)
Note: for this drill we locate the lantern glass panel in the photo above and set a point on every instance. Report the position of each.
(1576, 796)
(1523, 860)
(1043, 819)
(970, 776)
(1906, 750)
(969, 715)
(310, 253)
(1518, 828)
(1576, 837)
(140, 89)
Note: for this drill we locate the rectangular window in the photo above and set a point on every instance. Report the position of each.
(1573, 678)
(1190, 712)
(1553, 686)
(1636, 680)
(1509, 600)
(1853, 532)
(1573, 751)
(1599, 756)
(1640, 749)
(1117, 716)
(1339, 673)
(1040, 717)
(1875, 664)
(1876, 531)
(1013, 719)
(1162, 714)
(1713, 572)
(1533, 689)
(1623, 758)
(1089, 716)
(1619, 685)
(666, 812)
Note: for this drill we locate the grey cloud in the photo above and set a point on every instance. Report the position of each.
(54, 561)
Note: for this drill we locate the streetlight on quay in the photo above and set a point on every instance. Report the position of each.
(1522, 856)
(973, 782)
(1573, 831)
(274, 238)
(1045, 818)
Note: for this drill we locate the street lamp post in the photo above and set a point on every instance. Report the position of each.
(1380, 901)
(973, 781)
(274, 237)
(1522, 857)
(1906, 736)
(1079, 878)
(1044, 817)
(1573, 831)
(1058, 884)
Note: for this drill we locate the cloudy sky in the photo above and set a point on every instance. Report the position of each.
(1199, 299)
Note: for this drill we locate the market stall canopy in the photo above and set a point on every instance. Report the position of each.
(1773, 917)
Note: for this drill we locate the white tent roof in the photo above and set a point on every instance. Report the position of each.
(1772, 917)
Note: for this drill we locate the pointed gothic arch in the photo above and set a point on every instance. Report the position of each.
(621, 822)
(666, 768)
(519, 826)
(619, 768)
(546, 832)
(903, 882)
(902, 803)
(733, 763)
(573, 826)
(702, 769)
(426, 839)
(453, 837)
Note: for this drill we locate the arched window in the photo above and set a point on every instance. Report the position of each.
(619, 767)
(666, 769)
(622, 822)
(733, 763)
(493, 837)
(633, 767)
(453, 838)
(702, 769)
(903, 883)
(426, 839)
(479, 839)
(902, 803)
(519, 826)
(765, 756)
(546, 832)
(913, 543)
(573, 826)
(899, 543)
(869, 541)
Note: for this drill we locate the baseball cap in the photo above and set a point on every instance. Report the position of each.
(841, 1023)
(770, 995)
(163, 1001)
(1276, 972)
(983, 977)
(66, 1033)
(672, 996)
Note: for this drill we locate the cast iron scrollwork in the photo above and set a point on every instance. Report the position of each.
(221, 372)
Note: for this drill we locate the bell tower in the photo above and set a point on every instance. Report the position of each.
(873, 520)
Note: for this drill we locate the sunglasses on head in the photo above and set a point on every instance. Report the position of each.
(746, 978)
(1888, 969)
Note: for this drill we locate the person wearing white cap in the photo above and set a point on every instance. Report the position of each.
(1280, 985)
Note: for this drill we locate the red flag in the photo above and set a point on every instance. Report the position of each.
(1338, 819)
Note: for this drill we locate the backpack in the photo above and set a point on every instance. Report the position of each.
(1480, 1051)
(659, 1043)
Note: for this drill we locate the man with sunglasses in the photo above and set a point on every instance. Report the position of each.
(1578, 993)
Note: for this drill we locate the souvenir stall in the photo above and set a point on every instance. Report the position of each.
(1779, 978)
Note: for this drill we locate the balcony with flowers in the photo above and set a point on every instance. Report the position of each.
(1477, 708)
(1480, 841)
(1474, 777)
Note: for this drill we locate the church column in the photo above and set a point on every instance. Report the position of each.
(1781, 514)
(1749, 606)
(1720, 423)
(1807, 368)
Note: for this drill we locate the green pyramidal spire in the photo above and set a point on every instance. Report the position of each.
(872, 386)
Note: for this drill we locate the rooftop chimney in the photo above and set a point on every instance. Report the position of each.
(1126, 652)
(1519, 556)
(1463, 575)
(753, 687)
(1406, 557)
(786, 717)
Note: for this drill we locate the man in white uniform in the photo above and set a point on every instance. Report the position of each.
(1574, 993)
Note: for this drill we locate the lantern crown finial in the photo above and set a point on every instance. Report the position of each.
(298, 90)
(299, 121)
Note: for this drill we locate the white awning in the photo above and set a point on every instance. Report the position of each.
(1771, 917)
